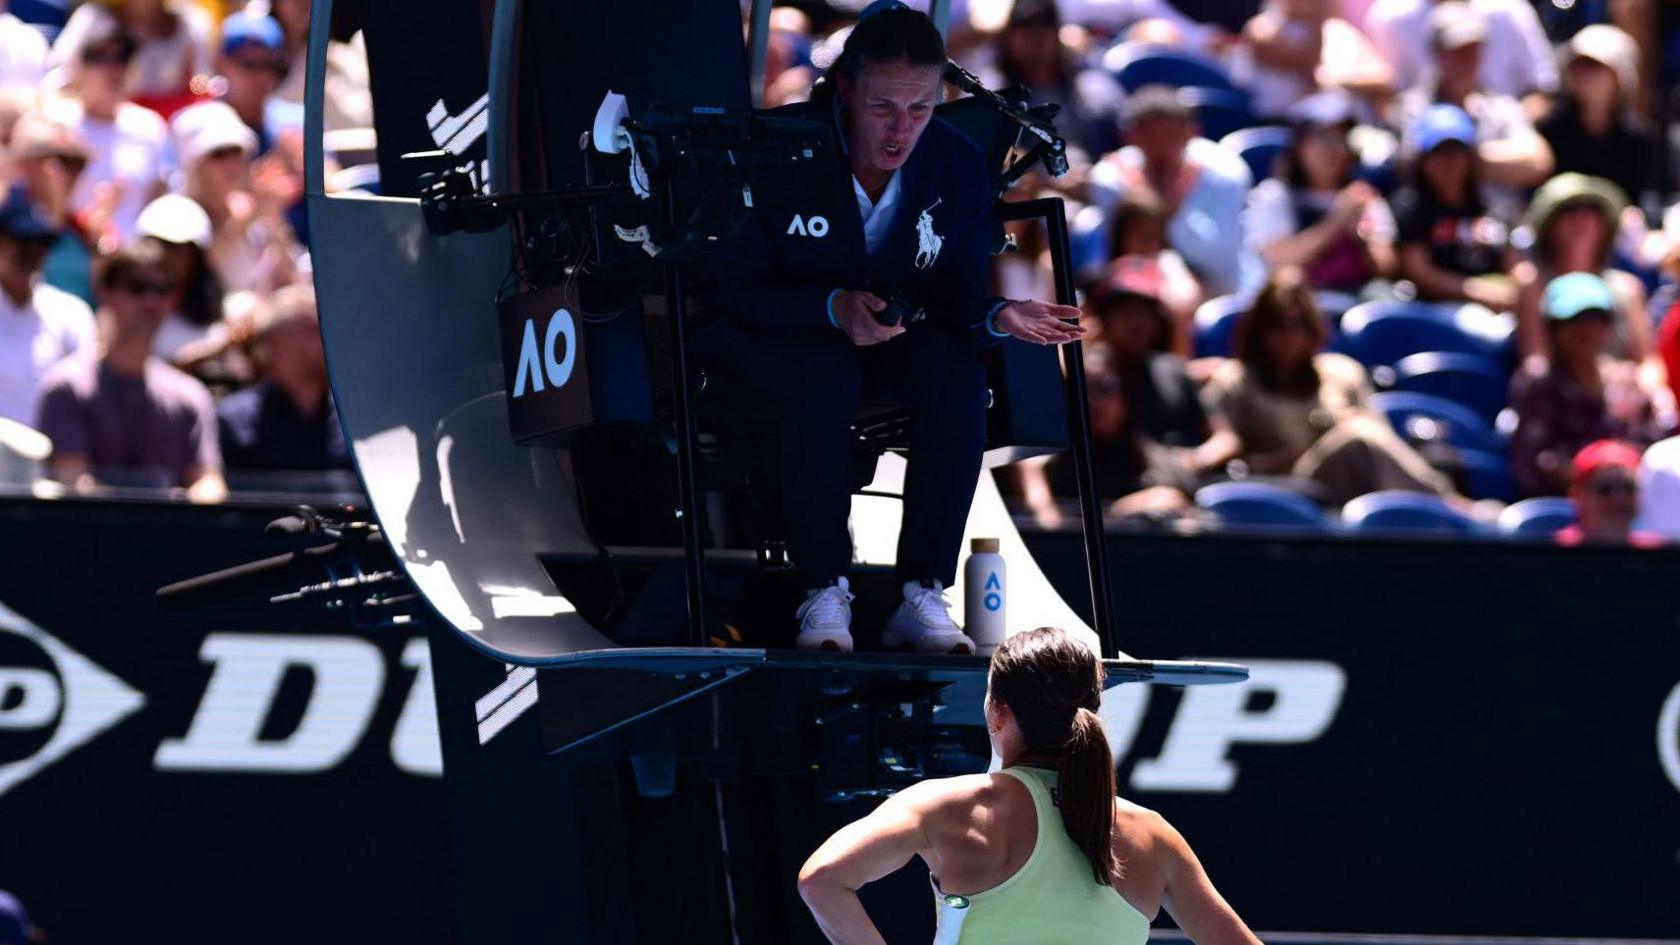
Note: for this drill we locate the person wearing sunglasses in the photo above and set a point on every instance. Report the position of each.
(39, 325)
(171, 53)
(117, 414)
(127, 144)
(1604, 486)
(249, 67)
(1580, 393)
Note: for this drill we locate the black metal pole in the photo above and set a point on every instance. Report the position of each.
(1078, 416)
(688, 486)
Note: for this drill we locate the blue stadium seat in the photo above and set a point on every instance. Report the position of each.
(1468, 379)
(1537, 518)
(1488, 474)
(1382, 333)
(48, 16)
(1261, 507)
(1397, 512)
(1219, 112)
(1426, 418)
(1258, 147)
(1215, 319)
(1136, 66)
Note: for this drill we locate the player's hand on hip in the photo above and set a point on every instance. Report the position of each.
(854, 312)
(1040, 323)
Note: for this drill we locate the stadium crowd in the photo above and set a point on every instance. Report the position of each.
(1330, 248)
(1411, 261)
(157, 323)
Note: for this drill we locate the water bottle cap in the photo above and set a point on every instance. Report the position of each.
(983, 545)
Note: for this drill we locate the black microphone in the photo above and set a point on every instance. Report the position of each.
(1036, 121)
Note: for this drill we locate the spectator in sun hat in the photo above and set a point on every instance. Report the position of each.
(249, 65)
(1513, 155)
(1579, 393)
(1451, 246)
(1604, 484)
(39, 324)
(1314, 213)
(1571, 227)
(1594, 126)
(252, 246)
(48, 157)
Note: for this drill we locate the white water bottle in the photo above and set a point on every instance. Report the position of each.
(985, 594)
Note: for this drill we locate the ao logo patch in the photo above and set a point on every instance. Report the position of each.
(816, 226)
(536, 363)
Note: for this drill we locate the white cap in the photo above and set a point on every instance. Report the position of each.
(1454, 24)
(208, 127)
(1609, 46)
(176, 218)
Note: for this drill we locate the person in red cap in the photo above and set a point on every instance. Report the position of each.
(1604, 485)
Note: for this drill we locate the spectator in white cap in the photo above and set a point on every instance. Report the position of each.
(1512, 155)
(1516, 59)
(172, 46)
(181, 226)
(23, 52)
(48, 158)
(1594, 127)
(248, 71)
(251, 246)
(128, 145)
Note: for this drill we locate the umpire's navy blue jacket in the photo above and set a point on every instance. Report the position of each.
(805, 240)
(774, 281)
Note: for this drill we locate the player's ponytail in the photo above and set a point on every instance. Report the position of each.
(1052, 685)
(1086, 784)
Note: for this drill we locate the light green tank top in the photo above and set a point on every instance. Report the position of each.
(1051, 900)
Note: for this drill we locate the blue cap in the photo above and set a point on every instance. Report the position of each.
(23, 219)
(1440, 124)
(243, 29)
(1569, 295)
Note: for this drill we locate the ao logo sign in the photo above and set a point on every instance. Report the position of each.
(536, 364)
(76, 700)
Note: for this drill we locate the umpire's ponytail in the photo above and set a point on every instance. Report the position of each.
(1052, 685)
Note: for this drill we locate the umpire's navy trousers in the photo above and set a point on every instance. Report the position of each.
(816, 382)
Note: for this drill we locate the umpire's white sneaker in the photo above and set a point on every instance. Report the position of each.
(923, 623)
(825, 619)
